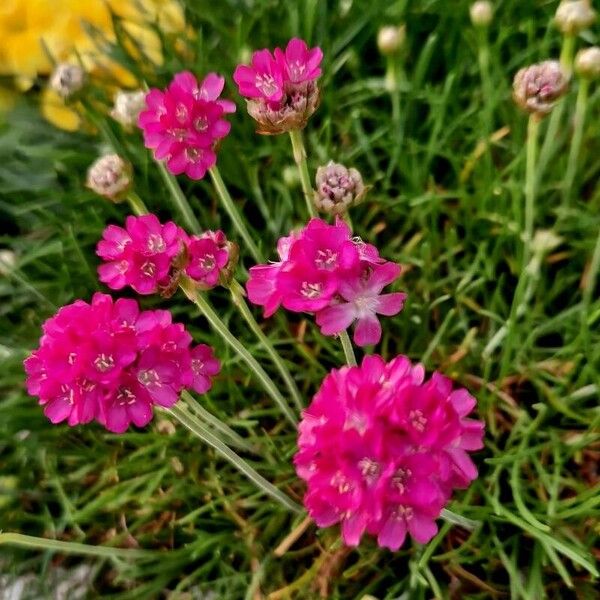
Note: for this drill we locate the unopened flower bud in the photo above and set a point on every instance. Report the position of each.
(481, 13)
(544, 241)
(390, 39)
(337, 188)
(128, 106)
(587, 63)
(537, 88)
(8, 260)
(110, 177)
(573, 16)
(67, 79)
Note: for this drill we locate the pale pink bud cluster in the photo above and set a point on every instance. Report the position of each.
(587, 62)
(537, 88)
(110, 362)
(128, 106)
(338, 188)
(573, 16)
(110, 176)
(382, 449)
(281, 88)
(184, 123)
(149, 256)
(67, 79)
(325, 271)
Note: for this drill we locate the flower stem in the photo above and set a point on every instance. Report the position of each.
(179, 199)
(137, 204)
(579, 120)
(239, 463)
(209, 419)
(533, 127)
(234, 214)
(348, 350)
(300, 158)
(211, 316)
(237, 294)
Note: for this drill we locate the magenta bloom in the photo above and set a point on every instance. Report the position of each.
(208, 255)
(280, 88)
(381, 450)
(110, 362)
(325, 271)
(139, 255)
(184, 122)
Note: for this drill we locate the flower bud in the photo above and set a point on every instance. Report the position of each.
(587, 63)
(128, 106)
(537, 88)
(573, 16)
(67, 79)
(337, 188)
(481, 13)
(110, 177)
(390, 39)
(8, 261)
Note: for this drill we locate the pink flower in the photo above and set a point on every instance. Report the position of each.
(377, 448)
(112, 362)
(262, 79)
(139, 255)
(325, 271)
(281, 89)
(298, 62)
(362, 302)
(208, 255)
(183, 123)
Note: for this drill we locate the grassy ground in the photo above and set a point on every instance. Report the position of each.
(441, 205)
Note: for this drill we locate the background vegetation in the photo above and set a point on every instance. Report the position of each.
(441, 205)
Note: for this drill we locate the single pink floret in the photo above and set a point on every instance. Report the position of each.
(362, 301)
(300, 63)
(208, 255)
(262, 79)
(377, 448)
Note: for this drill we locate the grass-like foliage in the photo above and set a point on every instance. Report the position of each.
(160, 514)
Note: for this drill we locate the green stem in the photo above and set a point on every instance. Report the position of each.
(179, 199)
(587, 298)
(549, 146)
(29, 541)
(239, 463)
(237, 294)
(232, 437)
(348, 350)
(579, 120)
(530, 192)
(137, 204)
(211, 316)
(300, 158)
(234, 214)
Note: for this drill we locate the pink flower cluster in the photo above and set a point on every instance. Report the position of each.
(183, 123)
(325, 271)
(142, 255)
(111, 362)
(281, 87)
(381, 450)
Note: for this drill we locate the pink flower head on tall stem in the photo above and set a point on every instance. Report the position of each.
(184, 123)
(280, 88)
(325, 271)
(110, 362)
(381, 450)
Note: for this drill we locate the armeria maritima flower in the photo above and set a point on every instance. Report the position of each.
(111, 362)
(147, 254)
(184, 123)
(537, 88)
(280, 88)
(325, 271)
(381, 450)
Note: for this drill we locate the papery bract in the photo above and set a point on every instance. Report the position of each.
(381, 450)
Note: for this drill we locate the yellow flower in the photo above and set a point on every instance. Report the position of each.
(33, 33)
